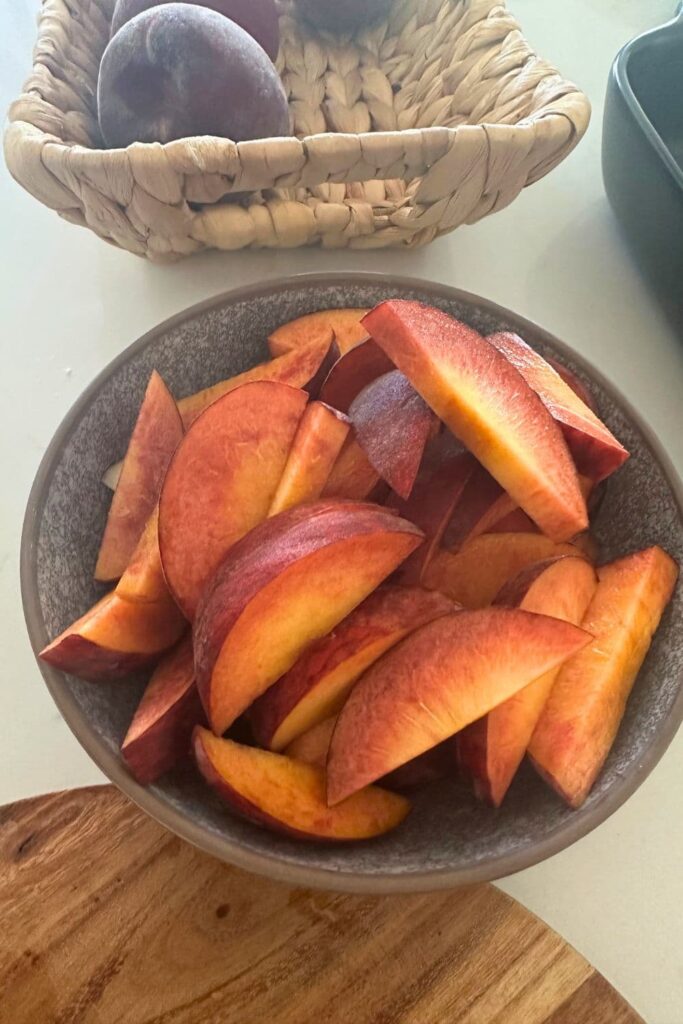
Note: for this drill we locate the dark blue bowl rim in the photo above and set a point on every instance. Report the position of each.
(583, 821)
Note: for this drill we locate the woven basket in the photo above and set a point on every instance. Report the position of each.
(433, 119)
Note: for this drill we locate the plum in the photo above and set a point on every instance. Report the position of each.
(343, 15)
(257, 17)
(181, 70)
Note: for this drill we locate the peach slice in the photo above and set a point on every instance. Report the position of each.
(318, 683)
(159, 735)
(351, 476)
(489, 406)
(156, 435)
(308, 329)
(474, 575)
(491, 749)
(581, 718)
(114, 638)
(574, 382)
(289, 796)
(285, 585)
(352, 372)
(437, 763)
(430, 506)
(318, 441)
(392, 425)
(297, 369)
(144, 578)
(442, 677)
(222, 481)
(595, 450)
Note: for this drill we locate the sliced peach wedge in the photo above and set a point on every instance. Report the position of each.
(489, 406)
(581, 718)
(352, 476)
(286, 584)
(222, 480)
(474, 575)
(353, 371)
(289, 796)
(309, 329)
(114, 638)
(596, 451)
(318, 683)
(392, 425)
(159, 735)
(491, 749)
(442, 677)
(157, 433)
(317, 443)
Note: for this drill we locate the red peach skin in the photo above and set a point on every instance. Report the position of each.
(317, 685)
(114, 638)
(491, 749)
(222, 480)
(159, 735)
(308, 329)
(318, 441)
(157, 433)
(392, 425)
(289, 796)
(353, 371)
(489, 406)
(431, 505)
(581, 718)
(474, 575)
(442, 677)
(285, 585)
(595, 450)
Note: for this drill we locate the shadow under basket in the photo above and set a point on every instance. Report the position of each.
(433, 118)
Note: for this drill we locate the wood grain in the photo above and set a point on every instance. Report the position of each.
(107, 919)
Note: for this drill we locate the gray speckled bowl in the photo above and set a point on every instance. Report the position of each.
(449, 839)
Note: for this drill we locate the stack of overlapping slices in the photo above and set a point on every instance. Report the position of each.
(369, 560)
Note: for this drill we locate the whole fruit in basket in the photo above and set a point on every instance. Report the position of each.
(182, 70)
(257, 17)
(343, 15)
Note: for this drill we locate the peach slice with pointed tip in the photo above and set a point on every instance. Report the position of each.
(284, 586)
(489, 406)
(160, 732)
(353, 371)
(595, 450)
(222, 481)
(474, 575)
(308, 330)
(581, 717)
(289, 796)
(491, 749)
(114, 638)
(392, 425)
(157, 433)
(317, 443)
(442, 677)
(319, 682)
(144, 578)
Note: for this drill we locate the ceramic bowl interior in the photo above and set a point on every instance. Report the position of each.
(449, 838)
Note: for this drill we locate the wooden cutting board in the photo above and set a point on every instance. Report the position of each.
(105, 918)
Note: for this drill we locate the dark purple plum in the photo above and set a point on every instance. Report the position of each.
(180, 70)
(257, 17)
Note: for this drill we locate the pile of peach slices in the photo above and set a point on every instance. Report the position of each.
(368, 560)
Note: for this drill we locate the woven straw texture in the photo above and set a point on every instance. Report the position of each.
(432, 119)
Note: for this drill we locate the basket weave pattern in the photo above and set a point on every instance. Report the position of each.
(432, 119)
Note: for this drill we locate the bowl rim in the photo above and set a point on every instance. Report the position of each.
(230, 850)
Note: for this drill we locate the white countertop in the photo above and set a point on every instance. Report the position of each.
(70, 303)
